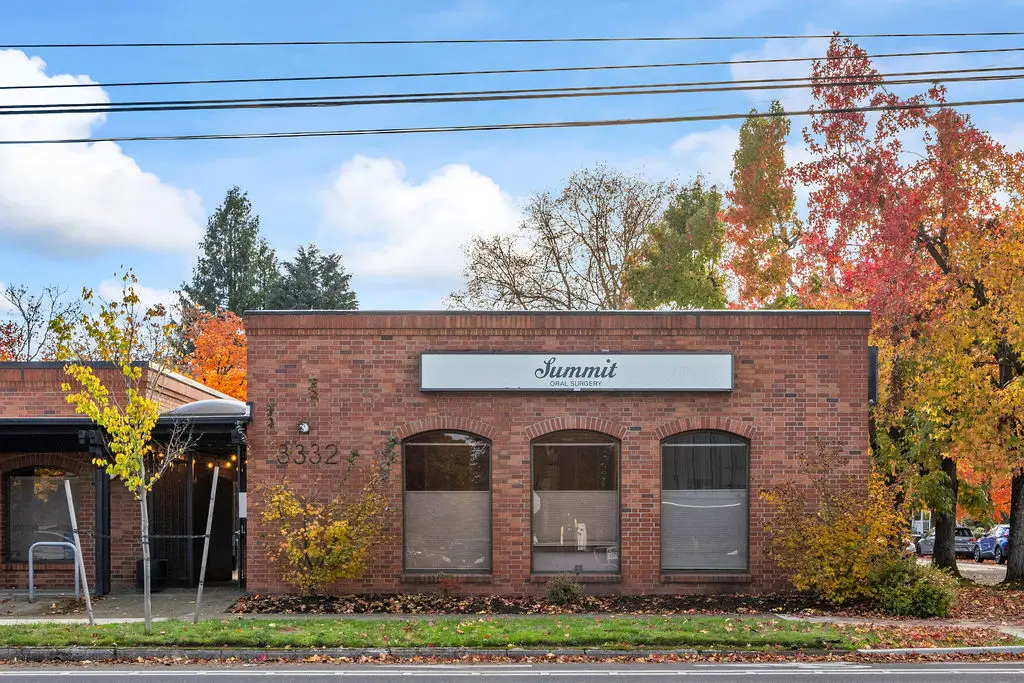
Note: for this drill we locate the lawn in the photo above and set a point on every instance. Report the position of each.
(529, 632)
(612, 632)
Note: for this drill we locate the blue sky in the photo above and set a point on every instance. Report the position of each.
(396, 207)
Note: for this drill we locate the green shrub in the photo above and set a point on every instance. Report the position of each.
(905, 588)
(565, 589)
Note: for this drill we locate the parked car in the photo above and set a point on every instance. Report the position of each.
(964, 543)
(992, 546)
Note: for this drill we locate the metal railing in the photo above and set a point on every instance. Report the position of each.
(31, 565)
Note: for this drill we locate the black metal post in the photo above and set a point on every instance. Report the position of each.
(190, 551)
(102, 485)
(240, 453)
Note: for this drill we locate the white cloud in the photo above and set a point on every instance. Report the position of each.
(5, 306)
(708, 153)
(63, 197)
(386, 225)
(111, 290)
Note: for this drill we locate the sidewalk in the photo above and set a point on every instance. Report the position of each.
(124, 605)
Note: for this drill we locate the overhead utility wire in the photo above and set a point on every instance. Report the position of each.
(442, 98)
(761, 83)
(796, 79)
(492, 72)
(511, 126)
(494, 41)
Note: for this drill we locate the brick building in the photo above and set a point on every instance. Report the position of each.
(628, 448)
(43, 441)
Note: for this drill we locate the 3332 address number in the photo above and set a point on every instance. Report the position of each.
(307, 454)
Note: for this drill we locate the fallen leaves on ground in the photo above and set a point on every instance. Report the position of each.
(413, 603)
(884, 637)
(990, 604)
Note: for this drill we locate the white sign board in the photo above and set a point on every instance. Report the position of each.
(576, 372)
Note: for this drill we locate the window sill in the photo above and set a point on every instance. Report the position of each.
(582, 578)
(431, 577)
(705, 577)
(23, 566)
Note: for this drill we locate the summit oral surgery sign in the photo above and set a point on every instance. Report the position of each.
(576, 372)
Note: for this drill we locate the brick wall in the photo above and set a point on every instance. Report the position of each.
(33, 389)
(798, 377)
(124, 525)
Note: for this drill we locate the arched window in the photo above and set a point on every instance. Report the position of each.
(37, 510)
(447, 502)
(705, 509)
(575, 481)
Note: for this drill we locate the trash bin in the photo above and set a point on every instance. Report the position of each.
(157, 574)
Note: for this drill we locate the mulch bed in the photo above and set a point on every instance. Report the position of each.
(410, 603)
(974, 603)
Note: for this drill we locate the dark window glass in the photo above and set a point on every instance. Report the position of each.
(704, 460)
(447, 461)
(447, 502)
(37, 510)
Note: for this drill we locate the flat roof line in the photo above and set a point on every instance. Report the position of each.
(830, 312)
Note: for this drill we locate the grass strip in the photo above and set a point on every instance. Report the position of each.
(613, 632)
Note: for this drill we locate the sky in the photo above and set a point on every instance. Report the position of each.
(398, 208)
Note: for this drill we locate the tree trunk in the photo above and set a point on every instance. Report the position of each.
(1015, 549)
(944, 554)
(146, 595)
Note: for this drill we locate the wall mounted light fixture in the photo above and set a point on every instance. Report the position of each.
(303, 428)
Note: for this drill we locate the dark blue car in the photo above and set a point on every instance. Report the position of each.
(992, 546)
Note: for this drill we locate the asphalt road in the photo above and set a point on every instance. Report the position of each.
(764, 673)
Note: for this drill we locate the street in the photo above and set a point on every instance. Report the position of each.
(765, 673)
(987, 574)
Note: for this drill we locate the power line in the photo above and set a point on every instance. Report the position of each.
(476, 96)
(505, 41)
(513, 126)
(935, 72)
(493, 72)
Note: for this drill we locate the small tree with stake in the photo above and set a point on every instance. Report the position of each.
(123, 333)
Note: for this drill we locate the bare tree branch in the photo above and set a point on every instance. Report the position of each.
(30, 317)
(571, 251)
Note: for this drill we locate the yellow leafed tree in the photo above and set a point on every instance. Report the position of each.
(136, 341)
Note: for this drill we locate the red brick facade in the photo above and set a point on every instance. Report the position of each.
(33, 390)
(354, 379)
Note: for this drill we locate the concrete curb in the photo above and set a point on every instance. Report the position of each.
(980, 650)
(80, 654)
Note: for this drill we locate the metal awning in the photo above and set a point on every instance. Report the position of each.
(216, 422)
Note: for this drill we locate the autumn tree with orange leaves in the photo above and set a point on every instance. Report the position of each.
(10, 339)
(218, 357)
(761, 218)
(916, 214)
